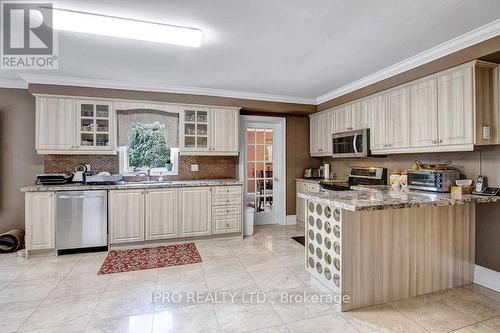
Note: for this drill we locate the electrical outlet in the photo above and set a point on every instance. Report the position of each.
(194, 167)
(87, 166)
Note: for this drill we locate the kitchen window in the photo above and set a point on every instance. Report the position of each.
(148, 139)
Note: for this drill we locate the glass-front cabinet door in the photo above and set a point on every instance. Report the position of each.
(196, 129)
(95, 125)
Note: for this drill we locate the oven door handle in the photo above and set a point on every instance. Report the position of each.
(354, 143)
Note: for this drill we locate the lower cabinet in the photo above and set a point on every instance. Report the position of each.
(304, 186)
(126, 216)
(136, 215)
(194, 208)
(40, 220)
(161, 213)
(227, 203)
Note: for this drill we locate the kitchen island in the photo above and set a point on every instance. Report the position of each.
(373, 245)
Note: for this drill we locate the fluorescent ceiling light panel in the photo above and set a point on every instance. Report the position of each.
(68, 20)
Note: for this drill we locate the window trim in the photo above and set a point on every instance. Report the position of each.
(127, 170)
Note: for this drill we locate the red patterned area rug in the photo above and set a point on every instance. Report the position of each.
(151, 257)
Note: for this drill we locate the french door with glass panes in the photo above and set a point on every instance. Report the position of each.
(262, 167)
(260, 176)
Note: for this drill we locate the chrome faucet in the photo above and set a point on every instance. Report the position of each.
(146, 174)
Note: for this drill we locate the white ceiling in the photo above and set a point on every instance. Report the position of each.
(294, 48)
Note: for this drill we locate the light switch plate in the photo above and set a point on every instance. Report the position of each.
(194, 167)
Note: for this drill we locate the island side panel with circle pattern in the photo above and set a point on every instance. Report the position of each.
(323, 243)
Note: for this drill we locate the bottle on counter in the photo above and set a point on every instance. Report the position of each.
(395, 179)
(403, 179)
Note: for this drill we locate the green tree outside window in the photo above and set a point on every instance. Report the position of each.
(148, 145)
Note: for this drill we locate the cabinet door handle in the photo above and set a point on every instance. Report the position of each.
(434, 142)
(440, 141)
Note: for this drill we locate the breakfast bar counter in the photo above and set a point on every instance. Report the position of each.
(364, 198)
(373, 245)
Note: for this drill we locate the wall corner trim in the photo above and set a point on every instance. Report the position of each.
(487, 278)
(470, 38)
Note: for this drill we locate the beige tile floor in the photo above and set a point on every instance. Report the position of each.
(64, 294)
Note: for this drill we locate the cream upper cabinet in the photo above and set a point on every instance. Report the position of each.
(161, 213)
(71, 126)
(95, 128)
(398, 118)
(126, 215)
(209, 131)
(55, 124)
(195, 129)
(320, 133)
(342, 120)
(314, 133)
(455, 105)
(359, 114)
(225, 130)
(423, 113)
(195, 209)
(40, 220)
(351, 117)
(451, 110)
(377, 119)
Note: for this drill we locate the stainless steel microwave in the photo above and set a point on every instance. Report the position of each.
(351, 144)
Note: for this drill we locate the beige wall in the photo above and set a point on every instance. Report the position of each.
(485, 161)
(18, 160)
(297, 157)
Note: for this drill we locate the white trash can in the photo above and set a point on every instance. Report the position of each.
(249, 220)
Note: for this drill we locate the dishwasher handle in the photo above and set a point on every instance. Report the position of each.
(85, 195)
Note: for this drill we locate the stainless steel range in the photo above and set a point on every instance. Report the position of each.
(358, 176)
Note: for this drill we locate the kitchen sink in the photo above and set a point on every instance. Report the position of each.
(147, 182)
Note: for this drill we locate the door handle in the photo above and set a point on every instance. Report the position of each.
(276, 179)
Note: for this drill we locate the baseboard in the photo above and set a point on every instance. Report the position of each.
(487, 278)
(291, 219)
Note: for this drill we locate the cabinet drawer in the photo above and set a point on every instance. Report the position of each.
(226, 190)
(226, 200)
(227, 224)
(226, 210)
(313, 187)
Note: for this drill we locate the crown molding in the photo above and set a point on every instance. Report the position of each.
(473, 37)
(95, 83)
(13, 84)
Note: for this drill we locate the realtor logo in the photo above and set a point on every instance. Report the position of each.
(28, 40)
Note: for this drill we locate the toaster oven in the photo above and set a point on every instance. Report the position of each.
(432, 180)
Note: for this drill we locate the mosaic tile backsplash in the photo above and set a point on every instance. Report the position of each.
(210, 167)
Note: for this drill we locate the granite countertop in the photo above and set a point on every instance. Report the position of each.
(364, 198)
(132, 185)
(317, 180)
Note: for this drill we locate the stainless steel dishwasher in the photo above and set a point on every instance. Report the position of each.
(81, 220)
